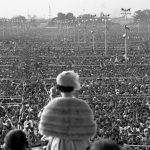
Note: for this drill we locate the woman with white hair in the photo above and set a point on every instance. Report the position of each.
(67, 120)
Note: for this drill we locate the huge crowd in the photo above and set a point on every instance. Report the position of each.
(116, 88)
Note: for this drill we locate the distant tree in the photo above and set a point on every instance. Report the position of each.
(142, 15)
(70, 16)
(19, 18)
(86, 16)
(61, 16)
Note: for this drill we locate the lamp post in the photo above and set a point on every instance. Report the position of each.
(93, 40)
(17, 22)
(78, 36)
(78, 31)
(138, 21)
(93, 32)
(125, 12)
(71, 30)
(64, 30)
(148, 21)
(4, 26)
(105, 19)
(74, 31)
(84, 28)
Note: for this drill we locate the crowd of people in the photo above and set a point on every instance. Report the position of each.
(116, 88)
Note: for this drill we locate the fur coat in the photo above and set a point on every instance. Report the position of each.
(68, 121)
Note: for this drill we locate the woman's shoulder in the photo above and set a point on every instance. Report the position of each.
(61, 103)
(67, 100)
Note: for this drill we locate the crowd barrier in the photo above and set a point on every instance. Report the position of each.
(139, 147)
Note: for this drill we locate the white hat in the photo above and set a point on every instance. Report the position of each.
(69, 78)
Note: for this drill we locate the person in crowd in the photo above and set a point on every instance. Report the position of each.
(8, 124)
(54, 93)
(27, 130)
(28, 122)
(104, 144)
(1, 131)
(67, 120)
(16, 140)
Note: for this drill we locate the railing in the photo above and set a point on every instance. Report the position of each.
(146, 147)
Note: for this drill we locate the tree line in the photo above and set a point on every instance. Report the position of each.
(138, 16)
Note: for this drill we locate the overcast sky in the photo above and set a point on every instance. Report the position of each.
(40, 8)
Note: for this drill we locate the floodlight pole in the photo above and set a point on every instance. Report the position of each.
(138, 25)
(3, 28)
(93, 40)
(93, 33)
(148, 20)
(84, 24)
(125, 12)
(66, 26)
(106, 17)
(78, 36)
(75, 33)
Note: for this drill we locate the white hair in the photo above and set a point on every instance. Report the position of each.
(69, 78)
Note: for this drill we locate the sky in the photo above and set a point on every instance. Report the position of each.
(40, 8)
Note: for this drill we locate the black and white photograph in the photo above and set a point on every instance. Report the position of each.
(74, 74)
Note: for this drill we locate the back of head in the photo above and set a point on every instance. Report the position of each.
(105, 144)
(68, 81)
(15, 140)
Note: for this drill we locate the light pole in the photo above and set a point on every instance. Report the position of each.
(74, 32)
(61, 29)
(71, 31)
(84, 28)
(93, 40)
(125, 12)
(148, 21)
(64, 30)
(105, 19)
(93, 21)
(78, 26)
(78, 36)
(93, 32)
(4, 28)
(138, 21)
